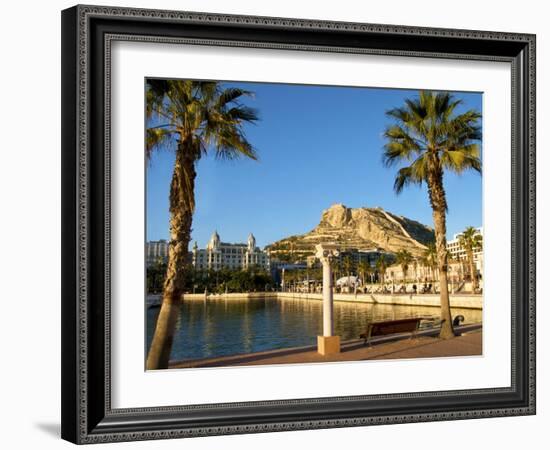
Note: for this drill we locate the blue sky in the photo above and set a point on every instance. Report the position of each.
(317, 146)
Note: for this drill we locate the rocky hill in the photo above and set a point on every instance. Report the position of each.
(361, 228)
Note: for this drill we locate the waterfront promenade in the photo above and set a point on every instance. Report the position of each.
(426, 344)
(433, 300)
(466, 301)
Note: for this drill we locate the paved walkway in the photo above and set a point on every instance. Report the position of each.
(469, 344)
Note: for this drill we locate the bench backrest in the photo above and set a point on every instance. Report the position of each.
(393, 326)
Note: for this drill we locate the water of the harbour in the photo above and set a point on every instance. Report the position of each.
(212, 328)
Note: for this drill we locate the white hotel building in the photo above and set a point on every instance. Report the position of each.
(156, 251)
(458, 253)
(219, 255)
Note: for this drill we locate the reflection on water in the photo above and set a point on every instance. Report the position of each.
(206, 329)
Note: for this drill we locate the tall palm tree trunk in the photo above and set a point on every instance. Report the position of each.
(439, 206)
(447, 331)
(181, 217)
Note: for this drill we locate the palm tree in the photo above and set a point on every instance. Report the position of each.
(348, 265)
(431, 138)
(429, 258)
(471, 241)
(192, 118)
(337, 268)
(364, 270)
(404, 258)
(381, 268)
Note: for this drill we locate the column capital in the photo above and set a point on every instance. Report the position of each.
(326, 252)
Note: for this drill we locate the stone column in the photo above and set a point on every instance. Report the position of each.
(327, 343)
(328, 306)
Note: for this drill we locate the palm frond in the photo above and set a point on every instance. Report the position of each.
(428, 129)
(399, 114)
(461, 159)
(405, 176)
(155, 92)
(231, 144)
(155, 138)
(243, 114)
(230, 95)
(401, 145)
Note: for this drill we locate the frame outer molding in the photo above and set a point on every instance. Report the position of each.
(76, 426)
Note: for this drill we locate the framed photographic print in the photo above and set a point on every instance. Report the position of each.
(282, 224)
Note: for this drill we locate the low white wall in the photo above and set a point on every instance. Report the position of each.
(457, 300)
(230, 296)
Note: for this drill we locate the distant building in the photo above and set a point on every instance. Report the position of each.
(416, 271)
(221, 255)
(156, 251)
(458, 267)
(458, 253)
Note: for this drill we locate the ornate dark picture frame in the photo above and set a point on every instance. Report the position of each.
(87, 34)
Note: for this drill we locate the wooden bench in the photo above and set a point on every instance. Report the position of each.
(387, 327)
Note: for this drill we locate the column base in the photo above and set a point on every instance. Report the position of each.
(328, 345)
